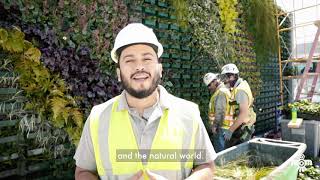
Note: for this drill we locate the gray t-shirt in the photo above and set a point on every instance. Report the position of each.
(144, 129)
(241, 97)
(219, 109)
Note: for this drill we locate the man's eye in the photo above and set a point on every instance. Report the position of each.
(147, 59)
(129, 60)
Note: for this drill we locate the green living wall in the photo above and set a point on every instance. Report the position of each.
(75, 39)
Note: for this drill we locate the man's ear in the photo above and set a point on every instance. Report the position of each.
(118, 74)
(160, 69)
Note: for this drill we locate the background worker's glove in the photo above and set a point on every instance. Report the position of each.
(227, 135)
(211, 118)
(214, 129)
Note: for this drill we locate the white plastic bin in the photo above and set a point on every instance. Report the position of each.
(284, 154)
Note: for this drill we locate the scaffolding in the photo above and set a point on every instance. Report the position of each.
(299, 53)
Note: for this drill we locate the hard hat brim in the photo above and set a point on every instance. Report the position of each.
(115, 57)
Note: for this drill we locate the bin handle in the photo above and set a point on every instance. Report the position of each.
(276, 142)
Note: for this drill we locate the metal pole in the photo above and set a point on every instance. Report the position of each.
(315, 78)
(306, 70)
(279, 56)
(295, 10)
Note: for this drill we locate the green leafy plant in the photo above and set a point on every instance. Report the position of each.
(181, 11)
(311, 172)
(208, 34)
(228, 15)
(92, 24)
(79, 61)
(261, 23)
(47, 94)
(305, 107)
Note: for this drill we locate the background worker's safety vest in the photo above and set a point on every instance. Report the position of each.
(244, 86)
(228, 116)
(170, 134)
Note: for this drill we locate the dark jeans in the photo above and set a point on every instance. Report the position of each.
(218, 140)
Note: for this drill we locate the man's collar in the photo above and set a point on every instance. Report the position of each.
(123, 105)
(238, 82)
(220, 86)
(164, 99)
(217, 88)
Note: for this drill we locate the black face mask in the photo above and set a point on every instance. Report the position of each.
(232, 83)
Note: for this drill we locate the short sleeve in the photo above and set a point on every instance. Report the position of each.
(84, 155)
(202, 142)
(241, 97)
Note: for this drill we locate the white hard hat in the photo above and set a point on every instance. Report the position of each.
(229, 68)
(209, 77)
(135, 33)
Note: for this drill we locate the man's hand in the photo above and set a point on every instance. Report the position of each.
(84, 174)
(154, 176)
(202, 172)
(227, 135)
(136, 176)
(214, 130)
(211, 118)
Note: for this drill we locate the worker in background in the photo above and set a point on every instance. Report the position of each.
(143, 119)
(219, 109)
(242, 104)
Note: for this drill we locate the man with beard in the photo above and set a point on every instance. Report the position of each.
(121, 135)
(219, 115)
(242, 104)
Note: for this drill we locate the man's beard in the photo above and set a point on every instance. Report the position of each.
(140, 94)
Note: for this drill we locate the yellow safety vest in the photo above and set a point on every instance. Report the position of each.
(169, 135)
(228, 117)
(244, 86)
(211, 104)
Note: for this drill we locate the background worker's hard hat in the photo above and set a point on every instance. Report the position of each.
(229, 68)
(209, 77)
(132, 34)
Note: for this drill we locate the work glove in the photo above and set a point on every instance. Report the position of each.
(214, 129)
(227, 135)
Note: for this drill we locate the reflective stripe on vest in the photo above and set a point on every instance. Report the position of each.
(94, 132)
(228, 121)
(169, 135)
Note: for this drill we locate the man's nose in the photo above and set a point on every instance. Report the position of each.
(140, 66)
